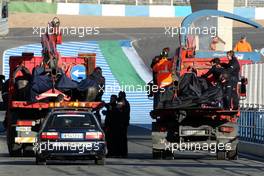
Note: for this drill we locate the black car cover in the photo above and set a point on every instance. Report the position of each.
(193, 91)
(42, 82)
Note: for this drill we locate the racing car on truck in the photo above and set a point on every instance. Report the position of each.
(189, 115)
(38, 84)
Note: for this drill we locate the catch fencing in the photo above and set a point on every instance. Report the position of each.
(251, 126)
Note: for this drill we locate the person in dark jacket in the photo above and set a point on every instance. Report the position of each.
(124, 114)
(98, 77)
(232, 70)
(112, 131)
(216, 70)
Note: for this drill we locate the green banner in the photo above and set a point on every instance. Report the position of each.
(119, 64)
(32, 7)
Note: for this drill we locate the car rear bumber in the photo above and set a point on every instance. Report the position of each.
(72, 142)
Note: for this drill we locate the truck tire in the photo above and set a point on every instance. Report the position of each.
(162, 154)
(40, 161)
(28, 150)
(156, 154)
(100, 161)
(221, 155)
(15, 150)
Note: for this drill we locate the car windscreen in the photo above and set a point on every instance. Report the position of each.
(71, 121)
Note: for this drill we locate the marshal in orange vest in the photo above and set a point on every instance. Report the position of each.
(163, 70)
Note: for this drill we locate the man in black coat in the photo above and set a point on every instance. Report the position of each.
(112, 131)
(124, 116)
(232, 69)
(97, 76)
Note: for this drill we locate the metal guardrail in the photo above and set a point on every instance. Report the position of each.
(251, 126)
(3, 27)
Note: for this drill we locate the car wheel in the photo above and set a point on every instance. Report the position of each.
(232, 155)
(40, 161)
(100, 161)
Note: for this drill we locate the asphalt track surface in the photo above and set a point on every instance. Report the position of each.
(148, 43)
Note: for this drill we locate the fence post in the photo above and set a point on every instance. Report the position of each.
(246, 3)
(136, 2)
(99, 2)
(150, 1)
(171, 2)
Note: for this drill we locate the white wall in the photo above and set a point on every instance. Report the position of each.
(68, 9)
(113, 10)
(255, 88)
(161, 11)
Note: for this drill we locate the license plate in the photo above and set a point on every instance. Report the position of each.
(72, 135)
(72, 143)
(193, 132)
(23, 129)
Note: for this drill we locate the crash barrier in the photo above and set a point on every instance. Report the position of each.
(139, 102)
(238, 3)
(255, 88)
(3, 27)
(120, 9)
(251, 126)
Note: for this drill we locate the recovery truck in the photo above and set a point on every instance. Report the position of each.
(24, 116)
(201, 127)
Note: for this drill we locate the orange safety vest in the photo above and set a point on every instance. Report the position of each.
(163, 70)
(243, 47)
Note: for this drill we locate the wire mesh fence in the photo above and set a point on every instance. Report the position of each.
(251, 126)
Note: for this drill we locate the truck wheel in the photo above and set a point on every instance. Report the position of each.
(28, 151)
(40, 161)
(100, 161)
(167, 154)
(15, 150)
(157, 154)
(232, 155)
(221, 155)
